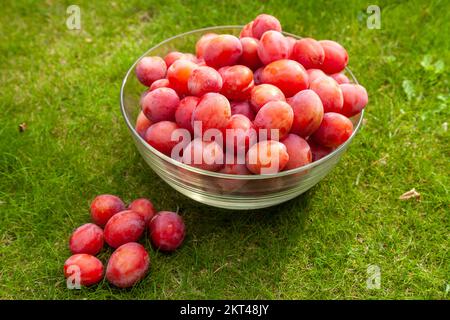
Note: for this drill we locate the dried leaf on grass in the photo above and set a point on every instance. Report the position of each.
(22, 127)
(411, 194)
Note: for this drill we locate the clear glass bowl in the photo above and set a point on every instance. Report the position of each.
(212, 188)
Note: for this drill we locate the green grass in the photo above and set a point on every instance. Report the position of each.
(65, 86)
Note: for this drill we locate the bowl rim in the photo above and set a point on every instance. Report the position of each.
(218, 174)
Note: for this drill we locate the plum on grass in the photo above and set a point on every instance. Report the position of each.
(249, 55)
(329, 92)
(213, 111)
(104, 206)
(126, 226)
(267, 157)
(308, 112)
(84, 267)
(308, 52)
(263, 93)
(222, 50)
(87, 238)
(263, 23)
(160, 104)
(127, 265)
(298, 150)
(144, 208)
(183, 114)
(336, 57)
(150, 69)
(334, 130)
(178, 75)
(355, 99)
(273, 46)
(274, 115)
(203, 155)
(167, 231)
(237, 82)
(203, 80)
(159, 136)
(288, 75)
(142, 124)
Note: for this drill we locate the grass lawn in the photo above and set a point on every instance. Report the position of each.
(65, 86)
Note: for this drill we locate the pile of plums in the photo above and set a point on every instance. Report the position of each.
(293, 91)
(122, 228)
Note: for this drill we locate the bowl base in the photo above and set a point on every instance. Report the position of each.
(237, 203)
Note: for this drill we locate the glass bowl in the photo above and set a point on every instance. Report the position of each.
(213, 188)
